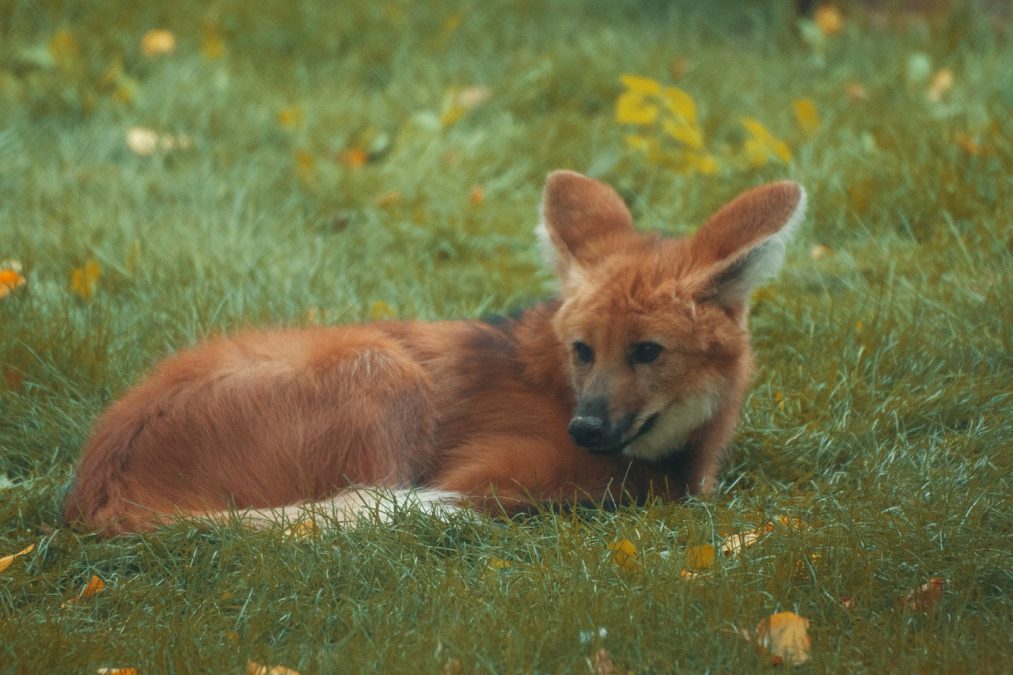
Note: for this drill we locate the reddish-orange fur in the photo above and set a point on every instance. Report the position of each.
(282, 417)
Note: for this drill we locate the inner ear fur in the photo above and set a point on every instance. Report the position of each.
(579, 217)
(742, 245)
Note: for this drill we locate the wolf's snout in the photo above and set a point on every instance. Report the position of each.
(588, 431)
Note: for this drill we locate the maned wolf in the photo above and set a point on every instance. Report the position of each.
(629, 384)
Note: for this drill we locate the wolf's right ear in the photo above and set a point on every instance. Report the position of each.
(580, 216)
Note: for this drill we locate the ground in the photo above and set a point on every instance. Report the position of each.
(302, 164)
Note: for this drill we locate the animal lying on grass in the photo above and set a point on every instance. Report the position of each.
(630, 384)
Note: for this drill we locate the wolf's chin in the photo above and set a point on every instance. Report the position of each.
(666, 432)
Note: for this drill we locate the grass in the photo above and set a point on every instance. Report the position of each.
(881, 416)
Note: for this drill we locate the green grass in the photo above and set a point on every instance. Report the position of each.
(882, 413)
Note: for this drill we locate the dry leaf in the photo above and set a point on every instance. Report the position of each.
(498, 564)
(453, 667)
(254, 668)
(64, 49)
(856, 91)
(969, 145)
(785, 636)
(10, 277)
(624, 554)
(83, 280)
(925, 597)
(117, 671)
(942, 82)
(477, 195)
(734, 544)
(689, 576)
(806, 116)
(819, 252)
(700, 557)
(353, 157)
(290, 117)
(829, 19)
(848, 602)
(158, 42)
(602, 663)
(94, 586)
(8, 560)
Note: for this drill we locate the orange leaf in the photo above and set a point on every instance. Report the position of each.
(477, 195)
(117, 671)
(829, 19)
(353, 157)
(254, 668)
(10, 277)
(785, 636)
(94, 586)
(700, 557)
(925, 597)
(942, 82)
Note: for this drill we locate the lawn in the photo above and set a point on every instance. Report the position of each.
(283, 163)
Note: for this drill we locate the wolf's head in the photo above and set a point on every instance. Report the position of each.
(655, 327)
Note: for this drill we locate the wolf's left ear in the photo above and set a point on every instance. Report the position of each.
(742, 245)
(580, 218)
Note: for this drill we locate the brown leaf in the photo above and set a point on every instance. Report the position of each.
(925, 597)
(8, 560)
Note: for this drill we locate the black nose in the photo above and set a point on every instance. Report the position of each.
(587, 431)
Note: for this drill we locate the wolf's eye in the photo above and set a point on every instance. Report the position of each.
(583, 352)
(645, 352)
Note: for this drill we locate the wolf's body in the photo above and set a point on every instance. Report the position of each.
(632, 382)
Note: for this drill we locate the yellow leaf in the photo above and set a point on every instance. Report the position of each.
(8, 560)
(117, 671)
(640, 85)
(94, 586)
(498, 564)
(380, 310)
(689, 576)
(83, 280)
(829, 19)
(679, 103)
(305, 167)
(633, 108)
(158, 42)
(702, 162)
(819, 252)
(290, 117)
(624, 554)
(785, 636)
(254, 668)
(736, 543)
(212, 44)
(942, 82)
(806, 116)
(63, 48)
(700, 557)
(925, 597)
(687, 134)
(10, 277)
(304, 529)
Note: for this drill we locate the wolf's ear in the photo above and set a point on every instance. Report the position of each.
(580, 216)
(742, 245)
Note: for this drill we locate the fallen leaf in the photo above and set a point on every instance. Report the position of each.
(734, 544)
(785, 636)
(477, 195)
(819, 251)
(624, 554)
(689, 576)
(925, 597)
(806, 116)
(290, 116)
(10, 277)
(8, 560)
(829, 19)
(94, 586)
(856, 91)
(64, 49)
(942, 82)
(498, 564)
(380, 310)
(117, 671)
(158, 42)
(848, 602)
(254, 668)
(353, 157)
(602, 663)
(212, 44)
(969, 145)
(700, 557)
(453, 666)
(83, 280)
